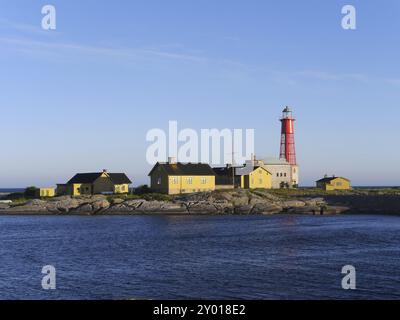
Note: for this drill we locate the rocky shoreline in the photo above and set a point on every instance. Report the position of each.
(240, 202)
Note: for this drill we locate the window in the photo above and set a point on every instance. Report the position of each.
(159, 181)
(260, 181)
(277, 175)
(281, 174)
(338, 184)
(284, 174)
(203, 180)
(174, 180)
(190, 180)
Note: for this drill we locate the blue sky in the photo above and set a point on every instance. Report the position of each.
(83, 97)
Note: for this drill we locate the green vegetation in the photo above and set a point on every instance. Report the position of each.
(20, 198)
(142, 192)
(143, 189)
(30, 192)
(315, 192)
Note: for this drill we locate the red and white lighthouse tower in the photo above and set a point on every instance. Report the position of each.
(288, 150)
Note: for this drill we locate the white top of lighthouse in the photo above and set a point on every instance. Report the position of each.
(287, 109)
(287, 113)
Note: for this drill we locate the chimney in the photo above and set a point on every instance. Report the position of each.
(104, 170)
(171, 160)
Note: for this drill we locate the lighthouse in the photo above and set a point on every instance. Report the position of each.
(288, 149)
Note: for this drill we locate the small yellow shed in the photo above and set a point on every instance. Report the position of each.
(334, 183)
(45, 192)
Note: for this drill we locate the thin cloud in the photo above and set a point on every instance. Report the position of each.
(321, 75)
(23, 27)
(36, 45)
(394, 82)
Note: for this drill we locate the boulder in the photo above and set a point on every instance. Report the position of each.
(240, 200)
(174, 208)
(256, 200)
(267, 208)
(315, 202)
(64, 205)
(314, 210)
(95, 198)
(117, 201)
(134, 203)
(246, 209)
(121, 208)
(86, 208)
(327, 210)
(32, 206)
(293, 204)
(266, 195)
(150, 207)
(224, 207)
(202, 207)
(100, 205)
(4, 206)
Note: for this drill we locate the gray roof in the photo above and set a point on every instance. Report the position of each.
(185, 169)
(329, 179)
(247, 170)
(116, 178)
(275, 161)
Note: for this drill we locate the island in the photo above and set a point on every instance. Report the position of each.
(310, 201)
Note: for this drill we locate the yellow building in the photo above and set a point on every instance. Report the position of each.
(95, 183)
(333, 183)
(254, 178)
(45, 192)
(178, 178)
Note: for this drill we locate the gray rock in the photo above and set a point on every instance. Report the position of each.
(267, 208)
(256, 200)
(95, 198)
(293, 204)
(240, 201)
(314, 210)
(117, 201)
(335, 210)
(86, 208)
(224, 207)
(119, 209)
(65, 205)
(202, 207)
(315, 202)
(32, 206)
(4, 206)
(174, 208)
(246, 209)
(100, 205)
(134, 203)
(150, 207)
